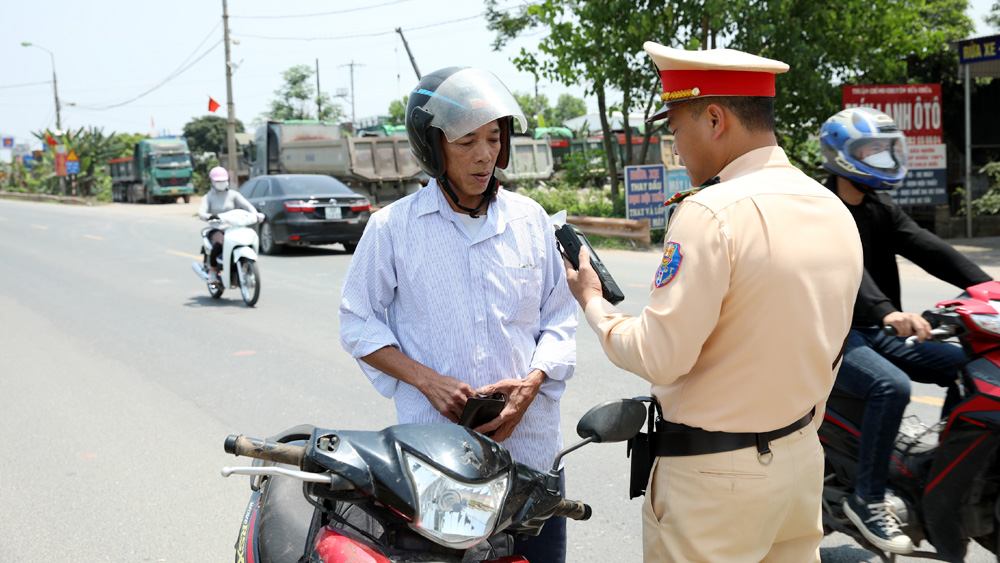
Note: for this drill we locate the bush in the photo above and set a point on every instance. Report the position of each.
(989, 203)
(556, 197)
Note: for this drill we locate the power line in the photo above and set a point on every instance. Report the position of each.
(177, 72)
(173, 75)
(25, 84)
(320, 13)
(358, 36)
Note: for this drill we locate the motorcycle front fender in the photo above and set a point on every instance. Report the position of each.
(244, 252)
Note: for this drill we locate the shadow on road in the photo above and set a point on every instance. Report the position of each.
(846, 554)
(224, 301)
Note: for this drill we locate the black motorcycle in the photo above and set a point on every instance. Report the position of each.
(434, 493)
(947, 492)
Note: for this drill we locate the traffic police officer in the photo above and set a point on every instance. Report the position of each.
(747, 317)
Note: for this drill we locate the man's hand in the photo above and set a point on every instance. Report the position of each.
(583, 284)
(446, 394)
(908, 324)
(520, 394)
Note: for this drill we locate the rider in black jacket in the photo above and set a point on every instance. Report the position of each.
(866, 154)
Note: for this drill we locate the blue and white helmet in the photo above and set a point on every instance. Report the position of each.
(864, 145)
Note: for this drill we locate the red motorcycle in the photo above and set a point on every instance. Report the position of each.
(948, 492)
(433, 493)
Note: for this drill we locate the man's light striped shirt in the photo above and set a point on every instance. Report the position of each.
(479, 309)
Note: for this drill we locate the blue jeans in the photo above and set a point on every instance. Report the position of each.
(550, 545)
(878, 368)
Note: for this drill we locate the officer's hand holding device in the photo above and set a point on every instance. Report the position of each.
(571, 239)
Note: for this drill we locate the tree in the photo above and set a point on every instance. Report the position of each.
(826, 44)
(596, 43)
(296, 99)
(208, 133)
(567, 107)
(994, 16)
(397, 111)
(93, 148)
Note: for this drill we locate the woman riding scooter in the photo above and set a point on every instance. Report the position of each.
(218, 200)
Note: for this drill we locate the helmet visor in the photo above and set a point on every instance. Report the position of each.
(469, 99)
(885, 152)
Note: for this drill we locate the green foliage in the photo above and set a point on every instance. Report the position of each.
(584, 167)
(208, 133)
(127, 142)
(989, 203)
(93, 148)
(576, 201)
(296, 99)
(826, 44)
(201, 167)
(567, 107)
(397, 111)
(994, 16)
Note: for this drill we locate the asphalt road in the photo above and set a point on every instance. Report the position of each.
(121, 378)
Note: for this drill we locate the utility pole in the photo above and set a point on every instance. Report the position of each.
(319, 96)
(408, 52)
(354, 117)
(234, 179)
(55, 85)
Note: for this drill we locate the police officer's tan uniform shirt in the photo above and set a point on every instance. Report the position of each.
(751, 304)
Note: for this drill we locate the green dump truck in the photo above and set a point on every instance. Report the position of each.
(159, 170)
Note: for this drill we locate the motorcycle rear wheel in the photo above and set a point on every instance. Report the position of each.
(249, 281)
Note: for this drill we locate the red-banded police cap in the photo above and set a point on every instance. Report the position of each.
(687, 75)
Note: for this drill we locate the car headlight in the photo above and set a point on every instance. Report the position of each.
(451, 512)
(989, 323)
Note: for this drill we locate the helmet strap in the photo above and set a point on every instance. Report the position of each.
(491, 191)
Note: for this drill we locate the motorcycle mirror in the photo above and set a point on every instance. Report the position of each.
(614, 421)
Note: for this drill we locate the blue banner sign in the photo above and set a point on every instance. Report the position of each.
(979, 50)
(645, 192)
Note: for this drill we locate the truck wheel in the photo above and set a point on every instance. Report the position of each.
(187, 198)
(145, 196)
(267, 243)
(350, 247)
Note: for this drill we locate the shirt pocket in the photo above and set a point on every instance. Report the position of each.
(522, 304)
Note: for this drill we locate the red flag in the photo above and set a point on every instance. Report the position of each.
(49, 140)
(212, 104)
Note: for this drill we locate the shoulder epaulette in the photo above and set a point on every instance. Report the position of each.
(679, 196)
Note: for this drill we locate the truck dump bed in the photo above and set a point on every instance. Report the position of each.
(307, 148)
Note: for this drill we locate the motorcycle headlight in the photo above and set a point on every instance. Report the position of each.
(989, 323)
(452, 512)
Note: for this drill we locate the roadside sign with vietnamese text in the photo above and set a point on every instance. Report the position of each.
(979, 50)
(645, 192)
(8, 142)
(61, 160)
(916, 109)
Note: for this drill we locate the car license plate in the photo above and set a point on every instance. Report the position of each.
(332, 212)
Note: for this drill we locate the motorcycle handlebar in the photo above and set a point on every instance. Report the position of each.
(289, 454)
(573, 509)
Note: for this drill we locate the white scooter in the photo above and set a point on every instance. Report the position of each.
(239, 255)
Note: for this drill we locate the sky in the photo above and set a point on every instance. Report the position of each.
(150, 67)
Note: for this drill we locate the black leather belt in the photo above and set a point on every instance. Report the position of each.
(672, 439)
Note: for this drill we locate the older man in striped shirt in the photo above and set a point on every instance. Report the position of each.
(459, 288)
